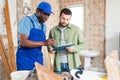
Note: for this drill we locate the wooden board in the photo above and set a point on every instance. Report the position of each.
(4, 58)
(112, 66)
(45, 74)
(9, 36)
(51, 57)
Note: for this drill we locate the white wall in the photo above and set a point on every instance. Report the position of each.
(112, 25)
(1, 16)
(13, 17)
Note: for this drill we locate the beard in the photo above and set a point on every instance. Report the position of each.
(63, 24)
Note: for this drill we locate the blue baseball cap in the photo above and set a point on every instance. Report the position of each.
(46, 7)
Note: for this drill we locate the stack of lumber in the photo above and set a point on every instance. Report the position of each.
(8, 59)
(112, 66)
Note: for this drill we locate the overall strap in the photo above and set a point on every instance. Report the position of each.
(41, 26)
(31, 21)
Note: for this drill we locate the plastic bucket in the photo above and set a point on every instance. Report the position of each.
(19, 75)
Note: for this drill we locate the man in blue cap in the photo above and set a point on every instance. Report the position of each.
(31, 37)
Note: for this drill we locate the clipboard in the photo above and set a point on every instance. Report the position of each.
(63, 47)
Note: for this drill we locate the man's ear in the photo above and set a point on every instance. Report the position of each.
(37, 10)
(38, 13)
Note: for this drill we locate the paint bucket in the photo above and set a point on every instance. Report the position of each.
(19, 75)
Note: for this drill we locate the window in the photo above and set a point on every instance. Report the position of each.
(77, 16)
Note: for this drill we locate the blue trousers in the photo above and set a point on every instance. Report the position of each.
(64, 68)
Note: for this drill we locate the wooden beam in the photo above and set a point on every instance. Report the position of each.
(9, 35)
(4, 58)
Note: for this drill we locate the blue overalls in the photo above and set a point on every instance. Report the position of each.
(27, 56)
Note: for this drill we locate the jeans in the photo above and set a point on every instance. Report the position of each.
(64, 68)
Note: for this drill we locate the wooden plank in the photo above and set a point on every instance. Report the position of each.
(112, 66)
(51, 57)
(9, 35)
(4, 58)
(45, 74)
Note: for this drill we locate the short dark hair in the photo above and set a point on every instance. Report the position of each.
(66, 11)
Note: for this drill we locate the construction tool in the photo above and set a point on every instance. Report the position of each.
(32, 75)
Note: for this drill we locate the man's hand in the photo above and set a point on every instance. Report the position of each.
(52, 51)
(70, 49)
(50, 42)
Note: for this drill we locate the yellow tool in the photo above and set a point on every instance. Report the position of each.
(104, 78)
